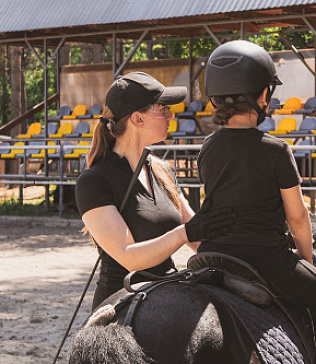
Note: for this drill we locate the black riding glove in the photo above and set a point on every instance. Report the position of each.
(206, 223)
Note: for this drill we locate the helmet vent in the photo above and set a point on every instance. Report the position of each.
(224, 62)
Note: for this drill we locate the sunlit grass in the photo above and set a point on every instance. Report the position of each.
(32, 204)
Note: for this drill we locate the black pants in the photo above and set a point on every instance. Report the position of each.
(287, 275)
(103, 291)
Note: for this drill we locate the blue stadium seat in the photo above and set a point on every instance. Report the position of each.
(82, 128)
(267, 125)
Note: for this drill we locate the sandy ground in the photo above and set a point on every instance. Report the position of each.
(44, 266)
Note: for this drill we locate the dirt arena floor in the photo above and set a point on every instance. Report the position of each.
(44, 266)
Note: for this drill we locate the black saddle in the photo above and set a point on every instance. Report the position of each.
(234, 275)
(243, 280)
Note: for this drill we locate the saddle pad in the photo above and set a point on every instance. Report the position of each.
(275, 337)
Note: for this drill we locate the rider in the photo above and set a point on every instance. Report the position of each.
(256, 174)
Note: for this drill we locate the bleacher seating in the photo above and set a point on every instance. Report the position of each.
(51, 129)
(290, 106)
(188, 127)
(90, 134)
(34, 128)
(309, 107)
(301, 153)
(274, 105)
(267, 125)
(82, 128)
(65, 128)
(7, 146)
(41, 154)
(177, 108)
(78, 152)
(94, 111)
(63, 111)
(208, 110)
(76, 112)
(13, 152)
(286, 126)
(29, 152)
(173, 126)
(308, 125)
(192, 109)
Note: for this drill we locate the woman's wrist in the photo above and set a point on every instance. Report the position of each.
(182, 235)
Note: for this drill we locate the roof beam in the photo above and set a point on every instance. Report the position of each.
(278, 18)
(207, 28)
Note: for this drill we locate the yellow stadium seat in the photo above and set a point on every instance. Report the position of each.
(64, 129)
(78, 110)
(208, 111)
(177, 108)
(13, 152)
(173, 126)
(34, 128)
(289, 141)
(285, 127)
(289, 107)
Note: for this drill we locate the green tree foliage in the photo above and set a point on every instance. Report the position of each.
(273, 42)
(34, 81)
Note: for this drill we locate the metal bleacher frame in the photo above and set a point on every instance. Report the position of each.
(190, 181)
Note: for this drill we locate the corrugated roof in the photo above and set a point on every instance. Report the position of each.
(24, 15)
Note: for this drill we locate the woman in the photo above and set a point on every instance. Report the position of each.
(156, 220)
(256, 174)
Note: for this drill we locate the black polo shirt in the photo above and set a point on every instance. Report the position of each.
(147, 216)
(245, 169)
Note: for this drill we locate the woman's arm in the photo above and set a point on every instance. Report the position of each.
(112, 234)
(298, 220)
(187, 214)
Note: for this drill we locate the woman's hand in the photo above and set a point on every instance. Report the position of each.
(206, 223)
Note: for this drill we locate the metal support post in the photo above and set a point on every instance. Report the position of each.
(207, 28)
(114, 56)
(45, 65)
(131, 54)
(242, 31)
(61, 187)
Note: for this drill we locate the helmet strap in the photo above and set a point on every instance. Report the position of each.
(262, 114)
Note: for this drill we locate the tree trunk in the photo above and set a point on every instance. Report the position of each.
(4, 118)
(98, 53)
(16, 86)
(16, 89)
(86, 54)
(64, 55)
(23, 89)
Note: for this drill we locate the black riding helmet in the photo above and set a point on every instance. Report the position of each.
(236, 71)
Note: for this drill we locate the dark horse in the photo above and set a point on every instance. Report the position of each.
(201, 315)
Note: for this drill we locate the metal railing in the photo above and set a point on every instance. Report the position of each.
(63, 179)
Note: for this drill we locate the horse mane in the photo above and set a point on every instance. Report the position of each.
(94, 345)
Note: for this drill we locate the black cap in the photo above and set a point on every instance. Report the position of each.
(136, 90)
